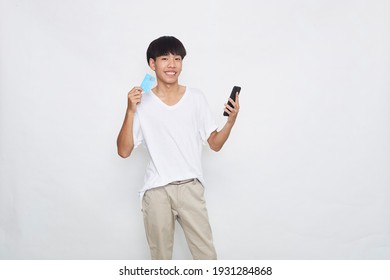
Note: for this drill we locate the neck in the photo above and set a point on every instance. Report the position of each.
(167, 89)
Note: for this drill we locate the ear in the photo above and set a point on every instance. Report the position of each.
(152, 64)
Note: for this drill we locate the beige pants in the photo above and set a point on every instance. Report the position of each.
(185, 203)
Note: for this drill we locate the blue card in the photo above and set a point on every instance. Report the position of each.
(148, 83)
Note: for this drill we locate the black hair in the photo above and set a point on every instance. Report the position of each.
(165, 45)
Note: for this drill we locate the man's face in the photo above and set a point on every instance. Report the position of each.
(167, 68)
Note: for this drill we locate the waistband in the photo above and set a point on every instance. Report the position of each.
(181, 182)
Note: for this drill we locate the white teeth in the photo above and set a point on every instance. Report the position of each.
(171, 73)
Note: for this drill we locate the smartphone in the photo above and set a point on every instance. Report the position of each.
(233, 96)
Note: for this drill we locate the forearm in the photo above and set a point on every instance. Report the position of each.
(218, 138)
(125, 142)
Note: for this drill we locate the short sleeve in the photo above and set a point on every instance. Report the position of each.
(137, 131)
(207, 121)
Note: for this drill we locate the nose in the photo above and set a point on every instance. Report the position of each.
(171, 62)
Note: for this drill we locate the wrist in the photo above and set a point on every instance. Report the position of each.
(230, 123)
(130, 111)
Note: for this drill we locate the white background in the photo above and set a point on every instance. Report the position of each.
(304, 174)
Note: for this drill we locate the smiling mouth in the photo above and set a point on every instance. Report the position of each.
(170, 73)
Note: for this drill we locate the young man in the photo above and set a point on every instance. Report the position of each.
(173, 122)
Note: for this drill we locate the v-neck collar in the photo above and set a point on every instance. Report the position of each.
(170, 106)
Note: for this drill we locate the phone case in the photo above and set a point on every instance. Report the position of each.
(232, 96)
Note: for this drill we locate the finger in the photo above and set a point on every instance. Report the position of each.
(231, 114)
(135, 94)
(136, 101)
(136, 98)
(234, 103)
(237, 99)
(226, 110)
(228, 107)
(235, 107)
(136, 90)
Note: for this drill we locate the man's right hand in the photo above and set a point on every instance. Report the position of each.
(133, 99)
(125, 142)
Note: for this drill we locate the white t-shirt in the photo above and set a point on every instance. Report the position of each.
(174, 136)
